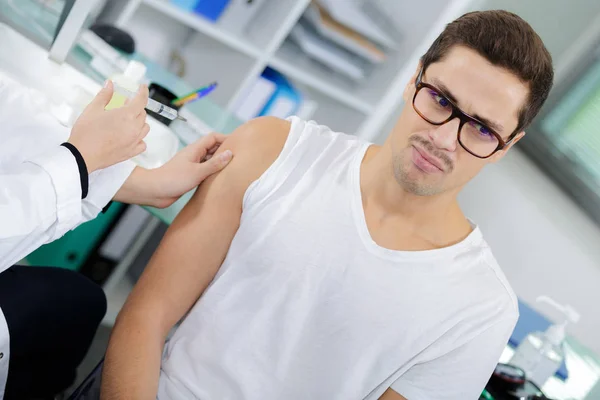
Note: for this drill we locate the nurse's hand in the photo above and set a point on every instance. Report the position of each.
(189, 168)
(162, 186)
(108, 137)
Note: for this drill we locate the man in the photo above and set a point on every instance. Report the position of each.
(336, 269)
(49, 315)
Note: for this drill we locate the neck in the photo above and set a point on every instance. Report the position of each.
(437, 217)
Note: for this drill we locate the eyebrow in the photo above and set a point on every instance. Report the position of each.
(496, 127)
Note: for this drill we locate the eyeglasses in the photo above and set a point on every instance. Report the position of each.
(473, 135)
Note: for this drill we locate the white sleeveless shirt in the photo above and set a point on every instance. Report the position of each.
(307, 306)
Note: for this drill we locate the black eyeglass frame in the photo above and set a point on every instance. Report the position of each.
(461, 115)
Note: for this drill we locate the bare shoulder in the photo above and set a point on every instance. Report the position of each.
(264, 136)
(255, 146)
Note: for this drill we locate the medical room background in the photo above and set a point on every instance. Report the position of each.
(343, 63)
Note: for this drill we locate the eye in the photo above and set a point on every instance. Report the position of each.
(439, 99)
(481, 129)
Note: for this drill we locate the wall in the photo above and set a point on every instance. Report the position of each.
(544, 243)
(559, 23)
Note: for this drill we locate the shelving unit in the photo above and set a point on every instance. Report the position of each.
(237, 58)
(234, 41)
(291, 62)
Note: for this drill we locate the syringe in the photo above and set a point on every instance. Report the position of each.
(153, 105)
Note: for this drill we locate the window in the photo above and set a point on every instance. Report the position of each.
(38, 20)
(565, 139)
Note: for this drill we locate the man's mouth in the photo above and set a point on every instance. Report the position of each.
(425, 161)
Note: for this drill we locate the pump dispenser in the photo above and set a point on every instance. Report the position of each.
(540, 354)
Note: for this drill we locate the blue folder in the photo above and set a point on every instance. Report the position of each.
(211, 9)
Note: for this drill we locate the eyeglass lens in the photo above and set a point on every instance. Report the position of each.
(473, 136)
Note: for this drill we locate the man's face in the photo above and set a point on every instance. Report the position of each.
(427, 158)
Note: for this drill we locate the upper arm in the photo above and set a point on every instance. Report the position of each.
(391, 395)
(197, 242)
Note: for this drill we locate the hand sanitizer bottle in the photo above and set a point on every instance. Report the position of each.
(541, 354)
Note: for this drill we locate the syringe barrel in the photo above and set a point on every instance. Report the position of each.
(161, 109)
(152, 105)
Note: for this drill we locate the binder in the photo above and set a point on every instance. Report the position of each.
(255, 99)
(285, 101)
(188, 5)
(328, 53)
(211, 9)
(350, 14)
(341, 35)
(239, 13)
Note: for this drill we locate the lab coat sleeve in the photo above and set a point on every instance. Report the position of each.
(26, 112)
(40, 200)
(40, 189)
(103, 185)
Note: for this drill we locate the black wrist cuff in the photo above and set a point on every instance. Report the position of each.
(106, 207)
(83, 171)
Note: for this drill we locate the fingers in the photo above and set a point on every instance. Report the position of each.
(138, 103)
(144, 131)
(141, 118)
(214, 164)
(140, 148)
(219, 137)
(207, 145)
(211, 152)
(213, 149)
(213, 140)
(104, 95)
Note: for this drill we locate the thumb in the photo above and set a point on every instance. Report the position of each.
(104, 95)
(215, 164)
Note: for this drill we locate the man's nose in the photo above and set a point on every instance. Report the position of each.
(445, 137)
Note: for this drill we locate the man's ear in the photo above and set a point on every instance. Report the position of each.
(500, 154)
(409, 89)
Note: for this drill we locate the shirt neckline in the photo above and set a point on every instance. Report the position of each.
(474, 238)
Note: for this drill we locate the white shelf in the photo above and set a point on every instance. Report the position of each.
(292, 62)
(206, 27)
(370, 102)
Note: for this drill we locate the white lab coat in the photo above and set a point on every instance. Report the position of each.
(40, 189)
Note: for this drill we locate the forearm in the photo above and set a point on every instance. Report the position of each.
(140, 188)
(132, 364)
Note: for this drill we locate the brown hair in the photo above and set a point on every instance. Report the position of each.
(507, 41)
